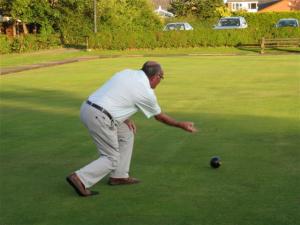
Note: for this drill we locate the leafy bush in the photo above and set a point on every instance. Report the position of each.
(4, 44)
(128, 19)
(263, 24)
(28, 43)
(203, 9)
(259, 25)
(131, 24)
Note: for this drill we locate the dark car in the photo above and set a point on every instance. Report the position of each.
(287, 22)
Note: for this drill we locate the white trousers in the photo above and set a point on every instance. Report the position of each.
(114, 143)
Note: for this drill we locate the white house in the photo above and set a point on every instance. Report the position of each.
(163, 13)
(247, 5)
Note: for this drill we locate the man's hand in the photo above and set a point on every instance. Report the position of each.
(185, 125)
(131, 125)
(188, 126)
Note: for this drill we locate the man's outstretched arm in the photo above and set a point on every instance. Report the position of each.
(185, 125)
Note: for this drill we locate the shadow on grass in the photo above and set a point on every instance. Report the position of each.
(40, 97)
(39, 148)
(73, 46)
(286, 50)
(269, 50)
(249, 49)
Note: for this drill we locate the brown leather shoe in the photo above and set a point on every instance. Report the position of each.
(76, 183)
(120, 181)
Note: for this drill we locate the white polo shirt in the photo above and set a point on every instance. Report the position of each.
(125, 93)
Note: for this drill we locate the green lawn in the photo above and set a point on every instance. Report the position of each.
(247, 109)
(12, 60)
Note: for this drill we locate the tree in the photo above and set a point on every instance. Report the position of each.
(5, 7)
(295, 4)
(29, 11)
(127, 15)
(74, 19)
(202, 9)
(223, 11)
(183, 7)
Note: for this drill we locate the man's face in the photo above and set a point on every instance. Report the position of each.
(156, 79)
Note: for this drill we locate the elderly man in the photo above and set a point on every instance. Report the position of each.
(106, 115)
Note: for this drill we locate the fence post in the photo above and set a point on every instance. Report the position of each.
(262, 46)
(86, 42)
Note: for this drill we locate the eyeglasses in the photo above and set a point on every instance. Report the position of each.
(161, 76)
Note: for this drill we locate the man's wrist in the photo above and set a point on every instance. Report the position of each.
(178, 124)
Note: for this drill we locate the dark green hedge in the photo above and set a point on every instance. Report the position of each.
(4, 45)
(27, 43)
(198, 38)
(259, 25)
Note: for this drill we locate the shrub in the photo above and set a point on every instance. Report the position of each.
(4, 45)
(28, 43)
(136, 31)
(259, 25)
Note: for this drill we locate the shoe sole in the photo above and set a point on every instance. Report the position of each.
(74, 186)
(78, 192)
(115, 184)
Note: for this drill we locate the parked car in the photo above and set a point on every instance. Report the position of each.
(231, 23)
(178, 26)
(287, 22)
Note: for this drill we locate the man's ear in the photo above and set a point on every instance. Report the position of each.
(152, 78)
(152, 81)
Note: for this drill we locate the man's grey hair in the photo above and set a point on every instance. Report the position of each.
(151, 68)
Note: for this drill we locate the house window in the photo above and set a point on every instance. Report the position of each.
(253, 6)
(239, 6)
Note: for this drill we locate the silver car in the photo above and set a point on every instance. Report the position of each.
(178, 26)
(238, 22)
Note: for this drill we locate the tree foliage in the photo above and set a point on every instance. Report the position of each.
(5, 7)
(203, 9)
(127, 15)
(75, 18)
(295, 4)
(30, 11)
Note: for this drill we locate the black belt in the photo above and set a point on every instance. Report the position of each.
(100, 109)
